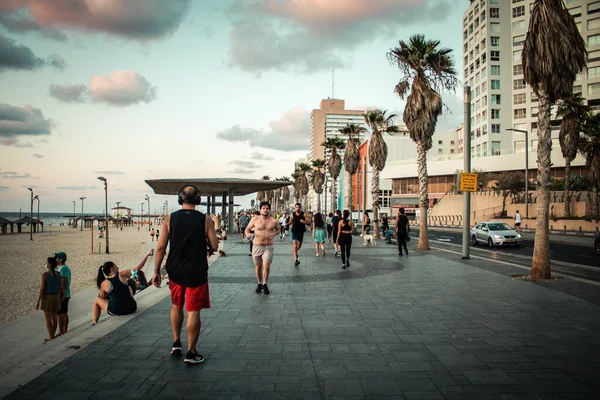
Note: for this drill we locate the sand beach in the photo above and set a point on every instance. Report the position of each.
(22, 262)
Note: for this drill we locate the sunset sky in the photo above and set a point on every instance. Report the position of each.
(147, 89)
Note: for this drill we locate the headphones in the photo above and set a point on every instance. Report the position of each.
(195, 200)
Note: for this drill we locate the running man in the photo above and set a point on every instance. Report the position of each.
(265, 228)
(518, 222)
(298, 224)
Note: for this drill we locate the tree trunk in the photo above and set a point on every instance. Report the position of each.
(318, 202)
(349, 192)
(504, 196)
(423, 196)
(375, 202)
(540, 267)
(334, 205)
(595, 205)
(567, 187)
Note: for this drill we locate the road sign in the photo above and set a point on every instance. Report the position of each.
(468, 182)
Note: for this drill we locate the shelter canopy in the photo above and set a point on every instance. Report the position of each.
(215, 186)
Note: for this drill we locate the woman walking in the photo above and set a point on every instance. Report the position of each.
(319, 235)
(402, 232)
(116, 295)
(51, 288)
(335, 222)
(344, 238)
(366, 223)
(329, 227)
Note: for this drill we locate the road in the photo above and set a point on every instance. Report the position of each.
(570, 255)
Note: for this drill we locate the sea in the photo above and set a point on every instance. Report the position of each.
(49, 219)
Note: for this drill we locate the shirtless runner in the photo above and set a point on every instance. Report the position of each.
(265, 228)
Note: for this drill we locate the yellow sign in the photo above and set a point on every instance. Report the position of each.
(468, 182)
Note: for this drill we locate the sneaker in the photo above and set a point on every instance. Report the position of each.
(191, 358)
(266, 289)
(347, 263)
(259, 288)
(343, 266)
(296, 263)
(337, 254)
(406, 250)
(176, 349)
(323, 252)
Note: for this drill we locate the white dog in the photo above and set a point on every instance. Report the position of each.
(368, 240)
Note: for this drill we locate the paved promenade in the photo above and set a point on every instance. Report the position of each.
(426, 326)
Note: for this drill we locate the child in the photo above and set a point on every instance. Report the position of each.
(319, 235)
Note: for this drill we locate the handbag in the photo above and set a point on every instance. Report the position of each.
(407, 239)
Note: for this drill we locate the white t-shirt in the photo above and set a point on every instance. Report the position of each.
(517, 218)
(282, 221)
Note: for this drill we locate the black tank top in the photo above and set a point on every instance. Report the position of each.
(120, 301)
(187, 264)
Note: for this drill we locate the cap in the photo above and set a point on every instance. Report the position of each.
(62, 255)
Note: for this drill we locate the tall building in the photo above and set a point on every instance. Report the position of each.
(325, 122)
(494, 32)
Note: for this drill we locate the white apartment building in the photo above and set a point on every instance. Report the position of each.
(493, 35)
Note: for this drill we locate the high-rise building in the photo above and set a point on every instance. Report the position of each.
(494, 32)
(325, 122)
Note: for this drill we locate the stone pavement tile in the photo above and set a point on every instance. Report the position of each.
(395, 386)
(342, 387)
(488, 377)
(424, 395)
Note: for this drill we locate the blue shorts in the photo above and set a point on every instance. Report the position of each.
(297, 237)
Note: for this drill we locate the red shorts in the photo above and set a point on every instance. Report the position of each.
(197, 297)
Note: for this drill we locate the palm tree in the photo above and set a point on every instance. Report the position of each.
(380, 123)
(296, 185)
(302, 169)
(262, 195)
(284, 192)
(590, 149)
(573, 113)
(252, 203)
(334, 165)
(427, 70)
(318, 179)
(553, 54)
(351, 156)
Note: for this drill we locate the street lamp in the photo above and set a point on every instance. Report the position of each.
(37, 197)
(73, 213)
(142, 214)
(82, 198)
(148, 198)
(526, 167)
(103, 179)
(31, 216)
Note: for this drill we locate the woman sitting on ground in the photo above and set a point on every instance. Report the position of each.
(115, 296)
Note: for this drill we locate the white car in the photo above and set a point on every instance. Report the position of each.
(495, 234)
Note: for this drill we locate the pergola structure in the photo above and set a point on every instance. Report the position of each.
(210, 188)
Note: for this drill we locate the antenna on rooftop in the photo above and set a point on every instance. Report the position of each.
(333, 84)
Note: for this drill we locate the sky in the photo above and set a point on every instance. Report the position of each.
(149, 89)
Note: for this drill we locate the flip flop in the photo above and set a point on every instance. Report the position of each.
(46, 340)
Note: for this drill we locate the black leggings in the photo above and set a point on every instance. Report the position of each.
(345, 246)
(401, 239)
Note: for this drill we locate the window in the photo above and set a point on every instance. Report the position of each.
(495, 113)
(484, 115)
(520, 113)
(520, 1)
(494, 13)
(534, 111)
(451, 151)
(478, 132)
(495, 55)
(484, 72)
(518, 11)
(484, 101)
(494, 27)
(471, 28)
(594, 88)
(440, 142)
(495, 128)
(494, 41)
(496, 99)
(483, 44)
(478, 147)
(534, 97)
(593, 72)
(483, 87)
(482, 17)
(518, 40)
(593, 40)
(477, 92)
(496, 148)
(466, 72)
(517, 55)
(452, 142)
(518, 26)
(520, 98)
(495, 84)
(483, 57)
(440, 151)
(484, 130)
(519, 84)
(593, 24)
(517, 69)
(593, 7)
(495, 69)
(577, 89)
(575, 11)
(484, 149)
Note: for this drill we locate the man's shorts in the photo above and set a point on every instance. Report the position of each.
(297, 237)
(195, 298)
(64, 306)
(517, 224)
(262, 253)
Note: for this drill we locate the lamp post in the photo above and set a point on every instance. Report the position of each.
(142, 214)
(103, 179)
(82, 198)
(148, 198)
(31, 216)
(37, 197)
(526, 167)
(73, 213)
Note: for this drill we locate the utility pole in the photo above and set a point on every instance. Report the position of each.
(82, 198)
(467, 168)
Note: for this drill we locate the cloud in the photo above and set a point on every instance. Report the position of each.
(131, 19)
(16, 122)
(120, 88)
(242, 171)
(110, 172)
(260, 156)
(15, 56)
(14, 142)
(15, 175)
(289, 133)
(4, 188)
(75, 187)
(312, 35)
(37, 155)
(244, 164)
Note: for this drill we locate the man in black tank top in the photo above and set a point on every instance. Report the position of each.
(189, 235)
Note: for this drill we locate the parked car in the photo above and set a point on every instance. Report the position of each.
(495, 234)
(597, 243)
